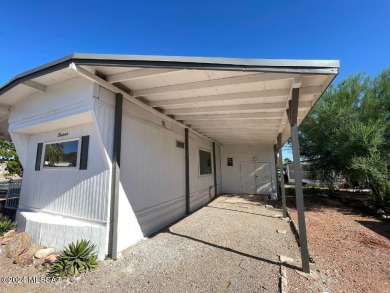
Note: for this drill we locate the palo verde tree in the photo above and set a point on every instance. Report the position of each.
(348, 133)
(9, 156)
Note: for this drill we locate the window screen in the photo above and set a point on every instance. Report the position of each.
(205, 162)
(61, 154)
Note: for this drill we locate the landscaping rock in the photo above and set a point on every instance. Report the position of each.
(268, 206)
(385, 217)
(51, 258)
(281, 231)
(10, 234)
(24, 260)
(17, 244)
(5, 241)
(43, 253)
(27, 257)
(380, 212)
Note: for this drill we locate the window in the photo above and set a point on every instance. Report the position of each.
(230, 162)
(205, 162)
(61, 154)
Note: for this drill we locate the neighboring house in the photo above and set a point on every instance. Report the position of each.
(116, 147)
(307, 176)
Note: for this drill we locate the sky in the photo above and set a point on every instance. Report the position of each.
(355, 32)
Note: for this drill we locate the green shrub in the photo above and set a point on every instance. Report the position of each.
(75, 259)
(5, 226)
(3, 217)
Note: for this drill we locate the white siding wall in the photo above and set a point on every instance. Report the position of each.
(201, 186)
(60, 97)
(231, 182)
(152, 169)
(73, 192)
(57, 232)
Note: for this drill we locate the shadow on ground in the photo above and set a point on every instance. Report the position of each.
(378, 227)
(233, 250)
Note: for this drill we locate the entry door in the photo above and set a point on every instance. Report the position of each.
(255, 177)
(263, 178)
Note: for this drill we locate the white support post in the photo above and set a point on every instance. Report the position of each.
(282, 189)
(276, 171)
(293, 117)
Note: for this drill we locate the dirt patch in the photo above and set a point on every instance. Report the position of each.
(351, 249)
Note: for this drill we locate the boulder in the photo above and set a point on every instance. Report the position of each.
(385, 217)
(380, 212)
(42, 253)
(27, 257)
(24, 260)
(5, 241)
(10, 234)
(17, 244)
(51, 258)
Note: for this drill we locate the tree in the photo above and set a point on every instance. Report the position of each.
(286, 161)
(347, 133)
(54, 153)
(10, 157)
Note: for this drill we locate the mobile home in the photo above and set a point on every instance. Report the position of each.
(116, 147)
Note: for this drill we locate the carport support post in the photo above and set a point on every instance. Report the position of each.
(293, 117)
(282, 189)
(215, 171)
(187, 168)
(276, 170)
(116, 162)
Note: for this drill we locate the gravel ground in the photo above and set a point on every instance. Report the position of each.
(231, 245)
(351, 249)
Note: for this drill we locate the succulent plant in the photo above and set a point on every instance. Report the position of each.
(5, 226)
(75, 259)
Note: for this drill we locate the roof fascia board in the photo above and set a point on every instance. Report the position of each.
(205, 63)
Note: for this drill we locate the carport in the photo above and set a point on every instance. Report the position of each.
(248, 102)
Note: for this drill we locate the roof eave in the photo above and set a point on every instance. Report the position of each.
(205, 63)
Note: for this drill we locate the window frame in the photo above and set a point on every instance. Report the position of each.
(78, 139)
(211, 162)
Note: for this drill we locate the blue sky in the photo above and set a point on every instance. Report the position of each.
(355, 32)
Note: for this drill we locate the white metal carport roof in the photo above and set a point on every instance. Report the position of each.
(228, 100)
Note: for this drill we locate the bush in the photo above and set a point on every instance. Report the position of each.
(5, 226)
(75, 259)
(3, 217)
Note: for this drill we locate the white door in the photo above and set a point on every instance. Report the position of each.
(255, 178)
(263, 178)
(248, 180)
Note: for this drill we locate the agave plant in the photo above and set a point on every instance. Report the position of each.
(5, 226)
(75, 259)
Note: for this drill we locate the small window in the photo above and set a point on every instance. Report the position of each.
(61, 154)
(205, 162)
(230, 162)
